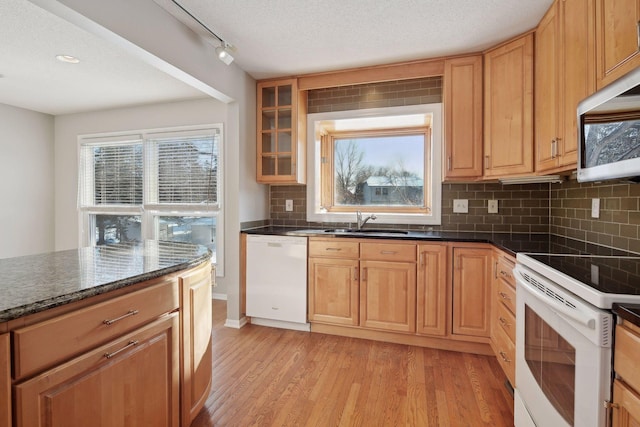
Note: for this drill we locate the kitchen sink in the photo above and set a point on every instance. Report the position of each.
(365, 230)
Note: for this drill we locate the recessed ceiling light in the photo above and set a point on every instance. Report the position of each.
(67, 58)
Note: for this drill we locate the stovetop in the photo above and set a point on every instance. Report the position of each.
(599, 275)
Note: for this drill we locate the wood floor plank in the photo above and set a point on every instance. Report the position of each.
(271, 377)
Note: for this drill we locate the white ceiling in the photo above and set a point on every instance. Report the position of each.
(272, 38)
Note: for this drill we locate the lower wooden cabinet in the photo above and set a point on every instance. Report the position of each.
(471, 291)
(5, 381)
(503, 319)
(432, 290)
(626, 407)
(333, 291)
(196, 328)
(130, 381)
(388, 295)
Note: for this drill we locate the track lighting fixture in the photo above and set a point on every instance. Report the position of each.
(224, 50)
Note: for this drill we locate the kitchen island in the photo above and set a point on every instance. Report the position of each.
(120, 333)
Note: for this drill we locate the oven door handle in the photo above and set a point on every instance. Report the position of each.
(558, 307)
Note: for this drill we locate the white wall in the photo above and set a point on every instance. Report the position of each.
(26, 182)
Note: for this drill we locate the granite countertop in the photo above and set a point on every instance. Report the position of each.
(511, 243)
(34, 283)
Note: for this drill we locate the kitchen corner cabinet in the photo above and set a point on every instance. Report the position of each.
(564, 76)
(5, 381)
(281, 132)
(334, 281)
(432, 287)
(196, 328)
(462, 118)
(626, 386)
(617, 44)
(508, 108)
(472, 291)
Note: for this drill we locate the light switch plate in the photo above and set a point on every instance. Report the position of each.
(288, 205)
(460, 206)
(492, 206)
(595, 208)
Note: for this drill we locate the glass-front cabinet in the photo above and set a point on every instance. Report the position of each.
(281, 132)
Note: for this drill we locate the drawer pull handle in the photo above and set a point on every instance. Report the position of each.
(504, 321)
(124, 316)
(115, 353)
(504, 296)
(388, 252)
(334, 249)
(504, 357)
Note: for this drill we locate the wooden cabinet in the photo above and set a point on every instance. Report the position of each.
(503, 319)
(334, 281)
(564, 75)
(432, 287)
(281, 132)
(196, 327)
(471, 291)
(508, 108)
(616, 28)
(131, 381)
(462, 118)
(5, 381)
(626, 387)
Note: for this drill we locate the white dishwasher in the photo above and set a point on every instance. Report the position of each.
(277, 281)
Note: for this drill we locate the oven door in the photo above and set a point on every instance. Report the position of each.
(563, 356)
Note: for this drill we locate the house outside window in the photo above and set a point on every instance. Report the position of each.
(384, 161)
(159, 184)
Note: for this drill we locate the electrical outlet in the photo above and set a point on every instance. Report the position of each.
(492, 206)
(460, 206)
(595, 208)
(288, 205)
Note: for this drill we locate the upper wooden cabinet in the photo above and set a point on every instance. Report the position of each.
(462, 118)
(617, 49)
(281, 132)
(564, 75)
(508, 108)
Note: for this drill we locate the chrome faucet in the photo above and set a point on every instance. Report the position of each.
(361, 222)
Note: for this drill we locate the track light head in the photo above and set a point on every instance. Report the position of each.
(224, 53)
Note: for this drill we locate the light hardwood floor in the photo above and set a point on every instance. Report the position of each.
(273, 377)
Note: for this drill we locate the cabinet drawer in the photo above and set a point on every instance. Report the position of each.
(506, 295)
(505, 271)
(507, 321)
(46, 344)
(506, 355)
(333, 248)
(388, 252)
(626, 354)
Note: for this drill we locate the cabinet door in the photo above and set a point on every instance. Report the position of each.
(388, 295)
(5, 381)
(432, 290)
(508, 123)
(548, 94)
(578, 71)
(463, 118)
(333, 291)
(626, 408)
(471, 291)
(131, 381)
(196, 325)
(616, 38)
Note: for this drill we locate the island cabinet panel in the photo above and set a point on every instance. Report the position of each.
(196, 326)
(333, 290)
(388, 295)
(132, 381)
(78, 331)
(432, 289)
(617, 47)
(471, 291)
(5, 381)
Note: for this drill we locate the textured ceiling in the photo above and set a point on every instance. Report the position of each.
(287, 37)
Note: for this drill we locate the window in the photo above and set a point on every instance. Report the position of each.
(161, 185)
(384, 161)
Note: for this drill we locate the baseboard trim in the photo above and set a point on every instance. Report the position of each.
(222, 297)
(236, 324)
(282, 324)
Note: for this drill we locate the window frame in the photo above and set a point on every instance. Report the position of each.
(316, 168)
(150, 212)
